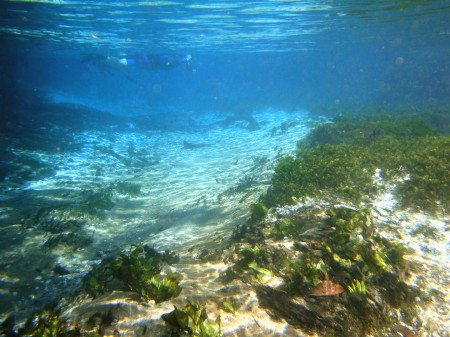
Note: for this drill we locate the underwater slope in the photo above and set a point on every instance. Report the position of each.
(93, 191)
(355, 250)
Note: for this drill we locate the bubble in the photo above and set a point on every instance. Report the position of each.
(399, 60)
(337, 101)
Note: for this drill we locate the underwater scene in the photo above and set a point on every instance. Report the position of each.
(225, 168)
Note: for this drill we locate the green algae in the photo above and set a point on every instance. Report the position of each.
(363, 130)
(285, 228)
(328, 171)
(339, 162)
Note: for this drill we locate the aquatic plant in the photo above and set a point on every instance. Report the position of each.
(96, 281)
(408, 155)
(335, 172)
(244, 186)
(363, 130)
(249, 232)
(283, 228)
(357, 288)
(260, 274)
(344, 254)
(399, 295)
(192, 321)
(259, 162)
(161, 288)
(337, 247)
(345, 244)
(424, 163)
(230, 305)
(283, 127)
(254, 264)
(139, 270)
(48, 323)
(258, 212)
(306, 272)
(250, 254)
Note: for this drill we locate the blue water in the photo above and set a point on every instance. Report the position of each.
(288, 54)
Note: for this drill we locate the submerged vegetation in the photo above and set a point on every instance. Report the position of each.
(139, 271)
(354, 159)
(335, 251)
(192, 321)
(310, 250)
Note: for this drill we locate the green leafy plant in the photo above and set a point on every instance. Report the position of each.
(307, 271)
(192, 321)
(357, 287)
(260, 274)
(161, 288)
(249, 255)
(139, 270)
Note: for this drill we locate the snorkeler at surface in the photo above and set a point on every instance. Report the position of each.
(106, 64)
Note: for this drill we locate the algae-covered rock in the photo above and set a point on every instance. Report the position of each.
(333, 272)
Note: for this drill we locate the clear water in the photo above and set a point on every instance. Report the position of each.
(291, 54)
(262, 74)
